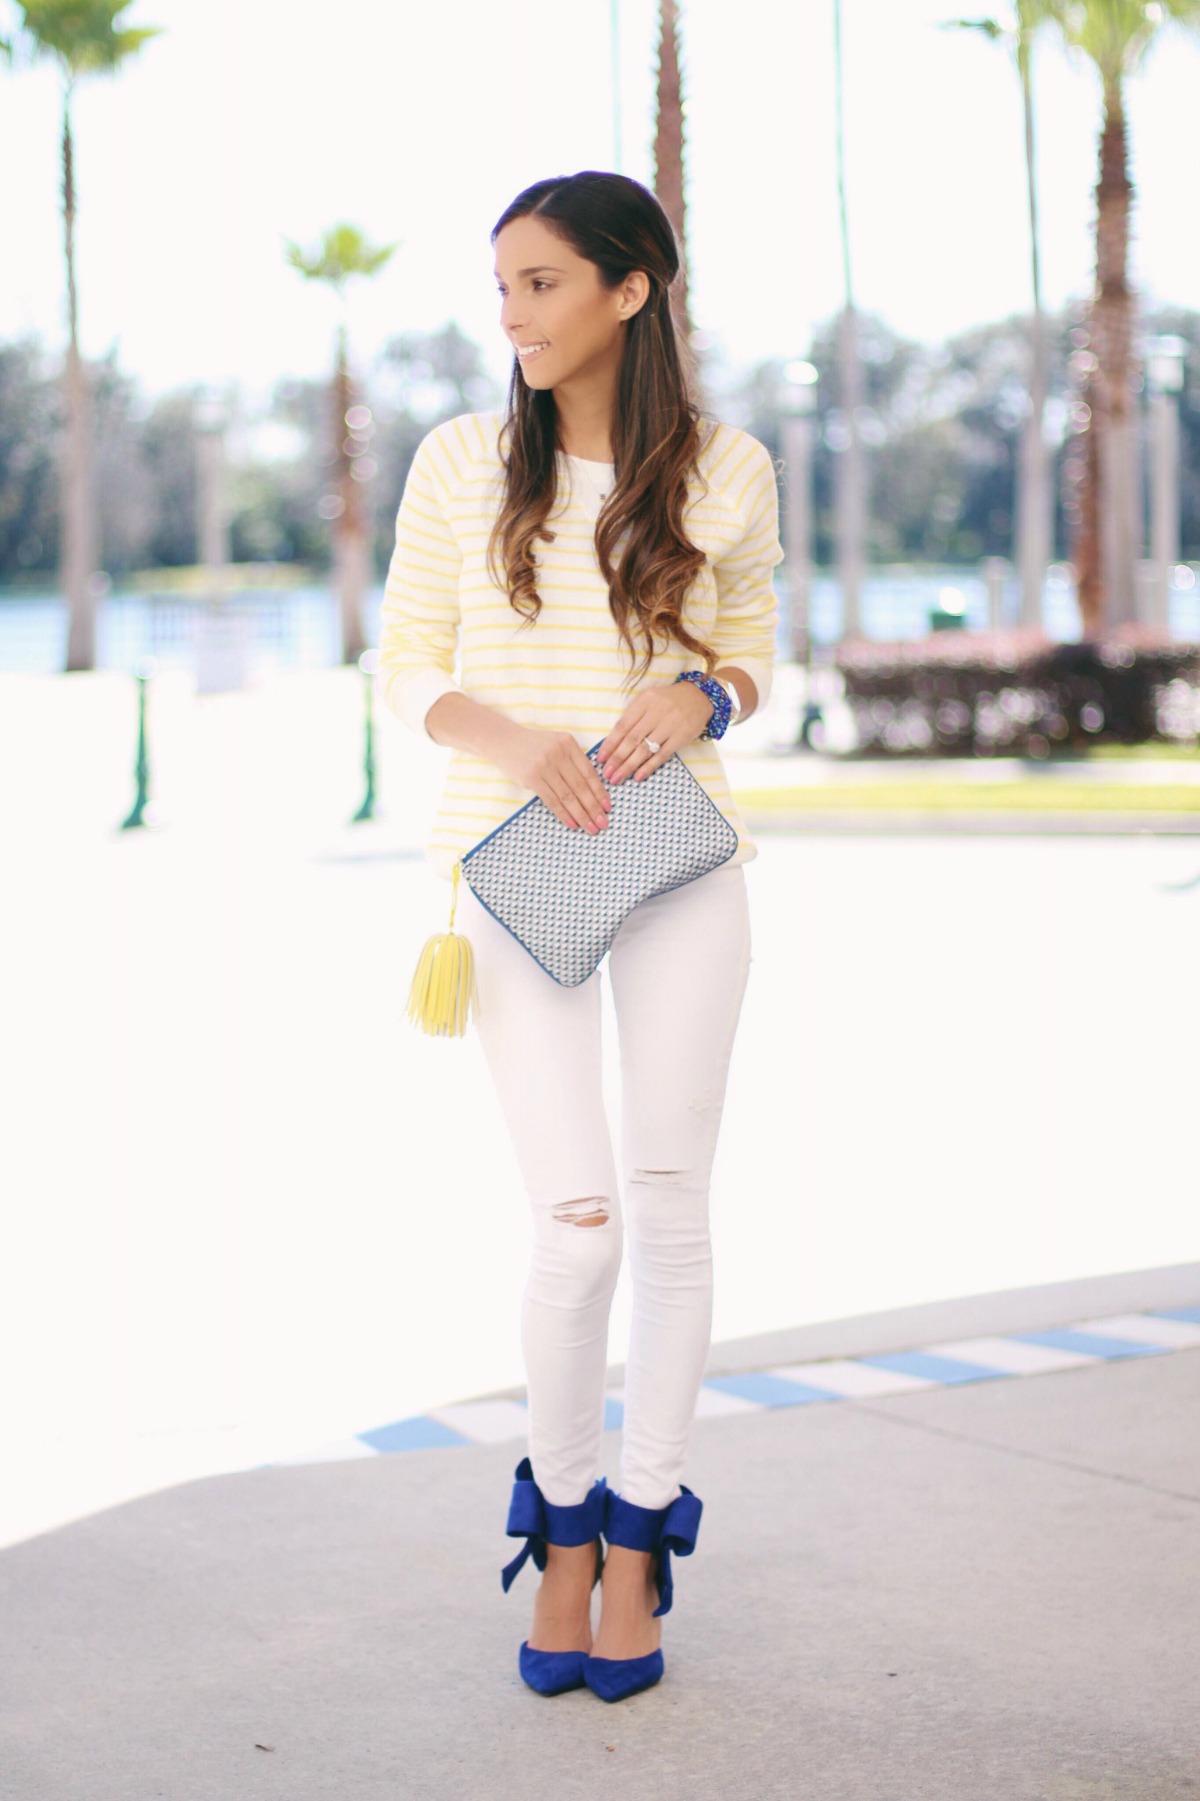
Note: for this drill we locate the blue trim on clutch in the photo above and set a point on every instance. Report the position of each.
(537, 801)
(508, 928)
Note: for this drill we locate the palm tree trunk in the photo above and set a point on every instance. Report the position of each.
(669, 177)
(1034, 502)
(1081, 478)
(351, 549)
(77, 550)
(1115, 308)
(1108, 535)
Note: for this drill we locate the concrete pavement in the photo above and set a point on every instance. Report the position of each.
(983, 1592)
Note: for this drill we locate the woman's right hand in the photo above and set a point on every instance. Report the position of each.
(552, 766)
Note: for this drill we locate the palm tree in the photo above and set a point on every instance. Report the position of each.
(343, 253)
(83, 38)
(1114, 35)
(1034, 504)
(850, 469)
(668, 170)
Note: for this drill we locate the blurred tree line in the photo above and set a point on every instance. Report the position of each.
(942, 426)
(280, 458)
(941, 423)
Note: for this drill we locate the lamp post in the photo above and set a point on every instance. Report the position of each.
(222, 628)
(212, 538)
(797, 417)
(797, 412)
(1164, 382)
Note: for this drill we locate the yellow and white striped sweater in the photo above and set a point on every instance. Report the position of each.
(565, 671)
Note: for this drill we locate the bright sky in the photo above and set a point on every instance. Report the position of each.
(419, 120)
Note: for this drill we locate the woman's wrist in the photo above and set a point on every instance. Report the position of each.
(463, 723)
(705, 707)
(720, 703)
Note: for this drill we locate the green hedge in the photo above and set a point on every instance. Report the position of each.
(972, 694)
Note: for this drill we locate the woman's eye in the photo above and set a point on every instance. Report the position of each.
(537, 284)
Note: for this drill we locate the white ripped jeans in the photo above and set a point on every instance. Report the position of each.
(678, 969)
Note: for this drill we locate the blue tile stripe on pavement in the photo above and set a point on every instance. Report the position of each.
(760, 1389)
(931, 1366)
(1090, 1344)
(768, 1390)
(419, 1433)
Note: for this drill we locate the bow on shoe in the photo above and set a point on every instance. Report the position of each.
(681, 1522)
(531, 1515)
(526, 1514)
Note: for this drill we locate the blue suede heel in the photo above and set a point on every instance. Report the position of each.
(658, 1529)
(539, 1521)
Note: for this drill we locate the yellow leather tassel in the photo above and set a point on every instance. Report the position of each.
(443, 988)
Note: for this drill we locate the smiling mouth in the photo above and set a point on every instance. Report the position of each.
(525, 353)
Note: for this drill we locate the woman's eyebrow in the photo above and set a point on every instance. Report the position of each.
(537, 268)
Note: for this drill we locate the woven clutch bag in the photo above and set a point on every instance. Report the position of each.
(563, 893)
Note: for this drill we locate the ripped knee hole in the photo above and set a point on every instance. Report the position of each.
(590, 1211)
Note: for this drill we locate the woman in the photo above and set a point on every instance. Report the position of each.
(597, 521)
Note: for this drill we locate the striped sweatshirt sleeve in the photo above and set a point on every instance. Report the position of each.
(747, 608)
(419, 617)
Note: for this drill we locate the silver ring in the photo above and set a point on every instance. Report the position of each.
(652, 744)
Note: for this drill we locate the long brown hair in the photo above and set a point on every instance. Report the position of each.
(644, 554)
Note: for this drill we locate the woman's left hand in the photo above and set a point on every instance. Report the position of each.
(672, 713)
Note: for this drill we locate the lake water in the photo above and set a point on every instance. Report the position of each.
(298, 629)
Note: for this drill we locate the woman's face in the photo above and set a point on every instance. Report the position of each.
(551, 296)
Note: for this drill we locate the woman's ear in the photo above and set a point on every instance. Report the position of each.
(637, 288)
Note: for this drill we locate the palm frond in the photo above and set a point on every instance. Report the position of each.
(1115, 34)
(83, 35)
(342, 252)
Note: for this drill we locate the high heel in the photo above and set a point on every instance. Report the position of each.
(661, 1530)
(541, 1522)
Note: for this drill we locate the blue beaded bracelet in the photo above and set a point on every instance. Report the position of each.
(722, 705)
